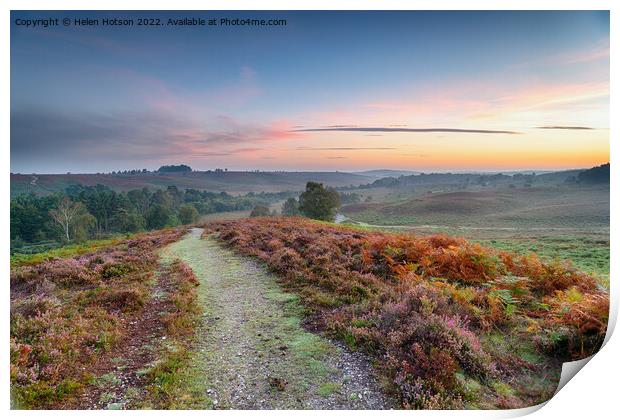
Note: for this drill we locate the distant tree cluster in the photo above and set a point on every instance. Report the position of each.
(174, 168)
(130, 172)
(350, 198)
(290, 207)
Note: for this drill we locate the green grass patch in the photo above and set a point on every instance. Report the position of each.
(328, 388)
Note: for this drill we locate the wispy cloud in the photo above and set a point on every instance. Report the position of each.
(407, 130)
(595, 52)
(563, 127)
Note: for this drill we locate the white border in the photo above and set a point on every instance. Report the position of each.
(592, 395)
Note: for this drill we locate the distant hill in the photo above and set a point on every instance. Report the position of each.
(229, 181)
(475, 178)
(384, 173)
(568, 206)
(597, 175)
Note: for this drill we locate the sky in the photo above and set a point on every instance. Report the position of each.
(430, 91)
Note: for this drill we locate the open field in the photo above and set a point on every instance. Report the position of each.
(577, 208)
(230, 181)
(564, 222)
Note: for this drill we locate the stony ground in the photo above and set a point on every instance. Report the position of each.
(253, 353)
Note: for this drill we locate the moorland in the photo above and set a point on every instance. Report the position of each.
(416, 291)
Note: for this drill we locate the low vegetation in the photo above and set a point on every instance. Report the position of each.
(166, 382)
(70, 311)
(451, 323)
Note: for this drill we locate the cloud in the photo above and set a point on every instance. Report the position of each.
(42, 135)
(246, 150)
(408, 130)
(562, 127)
(596, 52)
(346, 148)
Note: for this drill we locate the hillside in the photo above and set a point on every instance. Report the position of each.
(535, 207)
(230, 181)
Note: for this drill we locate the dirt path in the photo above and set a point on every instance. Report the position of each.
(252, 351)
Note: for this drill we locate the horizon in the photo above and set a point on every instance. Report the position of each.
(473, 91)
(360, 171)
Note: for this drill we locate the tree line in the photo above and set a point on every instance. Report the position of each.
(86, 212)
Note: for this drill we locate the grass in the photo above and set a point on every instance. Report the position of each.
(328, 389)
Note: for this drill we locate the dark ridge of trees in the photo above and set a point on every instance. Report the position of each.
(174, 168)
(596, 175)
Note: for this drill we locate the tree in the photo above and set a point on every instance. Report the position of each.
(290, 207)
(84, 226)
(319, 203)
(30, 217)
(163, 198)
(129, 221)
(66, 214)
(157, 217)
(188, 214)
(259, 210)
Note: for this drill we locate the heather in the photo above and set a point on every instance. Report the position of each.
(450, 323)
(67, 313)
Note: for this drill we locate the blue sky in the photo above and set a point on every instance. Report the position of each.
(88, 99)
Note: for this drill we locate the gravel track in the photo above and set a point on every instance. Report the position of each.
(253, 353)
